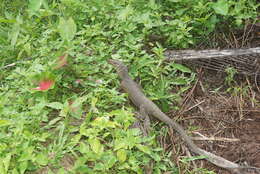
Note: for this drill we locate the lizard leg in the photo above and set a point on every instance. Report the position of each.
(142, 122)
(146, 120)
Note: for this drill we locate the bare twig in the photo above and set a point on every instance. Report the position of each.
(197, 104)
(14, 63)
(204, 138)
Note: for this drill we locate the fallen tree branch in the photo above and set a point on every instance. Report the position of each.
(245, 61)
(141, 101)
(207, 54)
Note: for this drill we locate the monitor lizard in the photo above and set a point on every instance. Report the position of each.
(143, 103)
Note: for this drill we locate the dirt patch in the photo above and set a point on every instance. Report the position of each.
(225, 123)
(225, 120)
(234, 138)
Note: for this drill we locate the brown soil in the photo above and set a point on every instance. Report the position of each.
(227, 123)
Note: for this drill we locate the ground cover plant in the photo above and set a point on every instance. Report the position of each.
(61, 108)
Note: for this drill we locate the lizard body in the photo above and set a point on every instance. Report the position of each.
(141, 101)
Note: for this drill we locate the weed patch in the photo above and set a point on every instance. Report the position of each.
(60, 106)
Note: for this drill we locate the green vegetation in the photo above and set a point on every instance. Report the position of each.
(62, 46)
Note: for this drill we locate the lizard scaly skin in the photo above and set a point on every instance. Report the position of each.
(140, 100)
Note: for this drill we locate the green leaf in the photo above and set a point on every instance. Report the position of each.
(123, 117)
(42, 159)
(67, 29)
(123, 14)
(179, 81)
(122, 143)
(100, 166)
(2, 20)
(55, 105)
(6, 161)
(143, 148)
(35, 5)
(14, 33)
(109, 160)
(23, 166)
(156, 156)
(15, 171)
(54, 121)
(121, 155)
(95, 145)
(83, 148)
(78, 102)
(103, 122)
(93, 105)
(65, 110)
(27, 154)
(4, 123)
(75, 109)
(221, 7)
(50, 171)
(181, 68)
(2, 167)
(61, 171)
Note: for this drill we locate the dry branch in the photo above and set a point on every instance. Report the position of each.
(246, 61)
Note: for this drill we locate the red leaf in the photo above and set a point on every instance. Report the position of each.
(44, 85)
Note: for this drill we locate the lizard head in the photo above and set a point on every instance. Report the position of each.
(120, 67)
